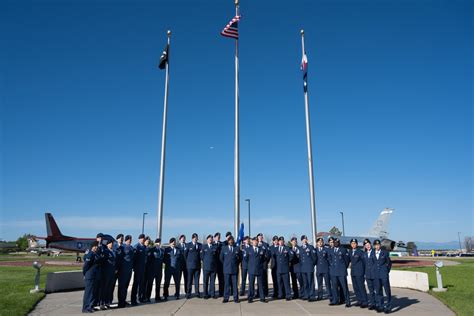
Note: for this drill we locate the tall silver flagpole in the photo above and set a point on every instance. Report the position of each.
(163, 146)
(236, 144)
(310, 155)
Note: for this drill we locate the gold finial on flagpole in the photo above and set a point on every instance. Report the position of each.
(169, 33)
(302, 32)
(236, 2)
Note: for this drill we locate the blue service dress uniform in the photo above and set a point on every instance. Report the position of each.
(220, 268)
(339, 261)
(209, 268)
(369, 271)
(155, 271)
(174, 259)
(192, 253)
(90, 270)
(357, 275)
(256, 260)
(230, 258)
(125, 261)
(184, 270)
(266, 248)
(295, 275)
(382, 268)
(139, 272)
(273, 267)
(322, 271)
(307, 256)
(108, 269)
(283, 256)
(118, 249)
(244, 270)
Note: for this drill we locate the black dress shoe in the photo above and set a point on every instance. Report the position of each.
(263, 300)
(379, 309)
(250, 300)
(225, 300)
(312, 300)
(387, 311)
(348, 304)
(176, 297)
(165, 298)
(215, 297)
(357, 304)
(363, 305)
(134, 303)
(188, 296)
(371, 307)
(332, 304)
(236, 301)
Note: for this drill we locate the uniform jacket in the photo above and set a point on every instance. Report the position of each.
(230, 259)
(155, 259)
(339, 261)
(139, 257)
(90, 269)
(283, 259)
(209, 257)
(256, 260)
(382, 265)
(192, 253)
(369, 262)
(322, 262)
(174, 258)
(357, 262)
(307, 256)
(295, 261)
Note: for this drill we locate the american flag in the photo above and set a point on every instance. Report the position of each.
(304, 63)
(232, 28)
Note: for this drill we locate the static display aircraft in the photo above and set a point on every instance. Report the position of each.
(35, 247)
(378, 231)
(56, 239)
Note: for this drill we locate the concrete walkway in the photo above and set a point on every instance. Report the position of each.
(405, 302)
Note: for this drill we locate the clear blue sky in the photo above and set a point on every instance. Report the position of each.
(390, 86)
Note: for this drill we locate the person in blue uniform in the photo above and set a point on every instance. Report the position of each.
(322, 268)
(142, 297)
(184, 271)
(174, 259)
(98, 285)
(283, 256)
(295, 271)
(273, 266)
(244, 265)
(337, 286)
(125, 261)
(339, 260)
(220, 268)
(230, 258)
(90, 271)
(139, 261)
(357, 274)
(266, 248)
(209, 267)
(118, 249)
(307, 256)
(155, 273)
(256, 259)
(369, 272)
(108, 269)
(382, 268)
(192, 254)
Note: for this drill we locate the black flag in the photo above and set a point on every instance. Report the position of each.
(164, 58)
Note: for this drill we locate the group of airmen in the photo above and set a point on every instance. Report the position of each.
(109, 261)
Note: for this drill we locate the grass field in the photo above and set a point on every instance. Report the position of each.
(15, 286)
(459, 280)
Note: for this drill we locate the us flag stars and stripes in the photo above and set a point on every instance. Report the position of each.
(232, 28)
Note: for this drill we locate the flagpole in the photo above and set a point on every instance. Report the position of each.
(163, 147)
(236, 142)
(310, 155)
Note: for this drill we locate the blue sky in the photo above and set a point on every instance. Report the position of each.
(390, 87)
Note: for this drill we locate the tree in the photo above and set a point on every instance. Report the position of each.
(335, 231)
(22, 242)
(468, 243)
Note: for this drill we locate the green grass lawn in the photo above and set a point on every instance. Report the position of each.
(459, 280)
(15, 286)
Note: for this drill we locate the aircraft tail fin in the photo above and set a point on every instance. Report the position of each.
(51, 226)
(379, 229)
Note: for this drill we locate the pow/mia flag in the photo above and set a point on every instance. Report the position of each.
(164, 58)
